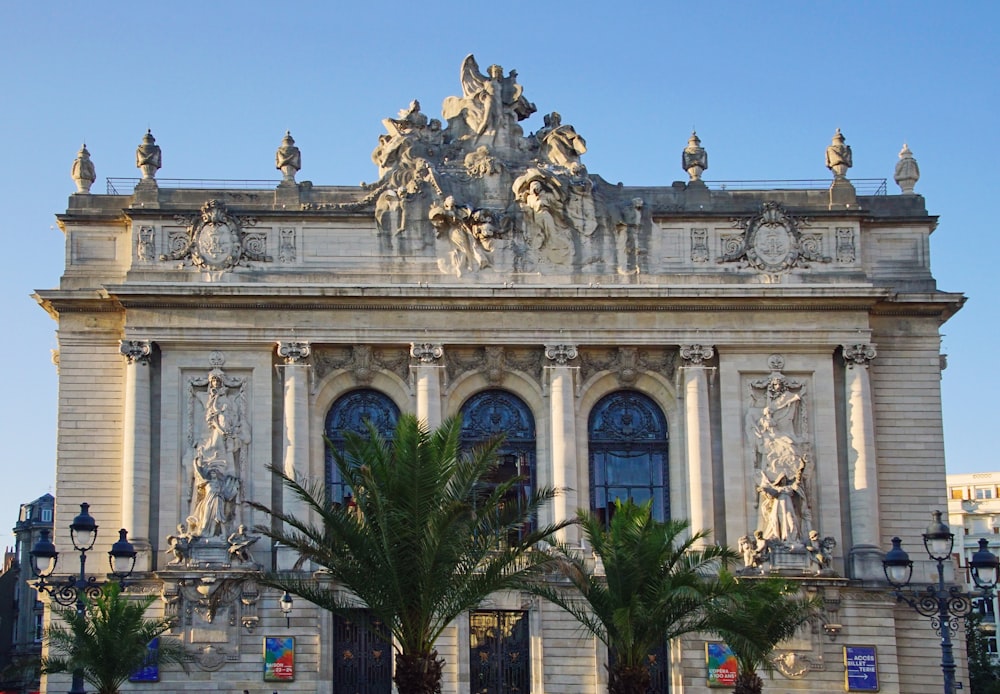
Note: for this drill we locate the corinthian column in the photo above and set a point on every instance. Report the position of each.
(862, 473)
(427, 372)
(136, 450)
(698, 437)
(562, 413)
(295, 456)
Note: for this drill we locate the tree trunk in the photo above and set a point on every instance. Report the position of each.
(628, 680)
(418, 673)
(748, 683)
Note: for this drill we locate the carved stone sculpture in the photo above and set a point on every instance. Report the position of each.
(820, 551)
(239, 545)
(179, 546)
(694, 159)
(777, 428)
(489, 104)
(147, 156)
(219, 437)
(754, 550)
(83, 172)
(217, 239)
(471, 234)
(560, 144)
(288, 158)
(907, 172)
(838, 156)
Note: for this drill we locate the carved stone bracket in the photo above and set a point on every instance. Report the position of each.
(294, 352)
(136, 351)
(695, 354)
(858, 355)
(561, 354)
(426, 352)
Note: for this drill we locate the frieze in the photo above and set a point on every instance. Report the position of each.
(495, 362)
(362, 361)
(772, 243)
(215, 239)
(627, 363)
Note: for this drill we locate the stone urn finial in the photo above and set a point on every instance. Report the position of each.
(288, 158)
(907, 172)
(83, 170)
(147, 156)
(838, 156)
(694, 160)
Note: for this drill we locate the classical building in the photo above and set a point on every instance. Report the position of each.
(21, 612)
(763, 362)
(974, 513)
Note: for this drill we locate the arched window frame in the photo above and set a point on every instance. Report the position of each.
(350, 412)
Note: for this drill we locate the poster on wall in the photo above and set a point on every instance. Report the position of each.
(721, 663)
(279, 658)
(860, 669)
(150, 670)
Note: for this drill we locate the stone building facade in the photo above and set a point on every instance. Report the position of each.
(764, 363)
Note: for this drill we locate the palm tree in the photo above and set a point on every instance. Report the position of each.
(657, 586)
(108, 642)
(429, 536)
(759, 614)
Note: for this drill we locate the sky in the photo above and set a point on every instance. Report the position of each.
(765, 84)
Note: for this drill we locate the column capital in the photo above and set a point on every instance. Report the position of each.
(136, 351)
(858, 355)
(560, 354)
(694, 354)
(426, 352)
(294, 352)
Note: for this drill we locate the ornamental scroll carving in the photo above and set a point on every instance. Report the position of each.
(361, 361)
(695, 354)
(136, 351)
(426, 352)
(772, 243)
(858, 355)
(627, 363)
(294, 352)
(216, 239)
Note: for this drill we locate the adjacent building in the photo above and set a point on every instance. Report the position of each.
(763, 361)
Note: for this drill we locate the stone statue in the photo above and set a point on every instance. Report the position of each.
(820, 551)
(560, 144)
(838, 156)
(147, 156)
(489, 103)
(288, 158)
(218, 453)
(180, 546)
(694, 159)
(754, 550)
(546, 232)
(471, 234)
(239, 545)
(776, 425)
(83, 172)
(907, 172)
(627, 227)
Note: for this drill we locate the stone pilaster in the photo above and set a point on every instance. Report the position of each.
(295, 456)
(427, 373)
(698, 436)
(562, 413)
(865, 555)
(136, 460)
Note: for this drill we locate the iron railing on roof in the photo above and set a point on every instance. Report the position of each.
(863, 186)
(126, 186)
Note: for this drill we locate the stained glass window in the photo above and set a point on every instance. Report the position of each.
(352, 412)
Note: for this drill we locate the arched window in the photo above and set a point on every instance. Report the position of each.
(627, 436)
(493, 412)
(352, 412)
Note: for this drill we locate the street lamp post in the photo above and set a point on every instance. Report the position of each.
(944, 606)
(70, 591)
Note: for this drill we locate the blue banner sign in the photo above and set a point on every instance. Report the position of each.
(860, 669)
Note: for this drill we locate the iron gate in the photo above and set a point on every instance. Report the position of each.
(499, 656)
(362, 660)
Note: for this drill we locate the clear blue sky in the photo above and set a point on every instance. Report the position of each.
(766, 84)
